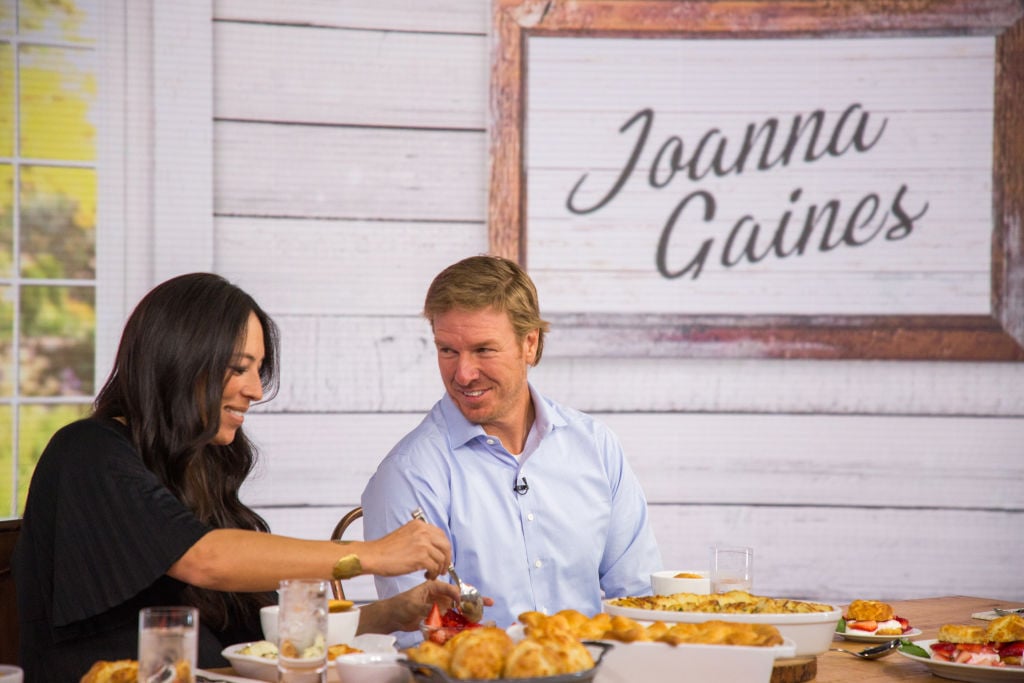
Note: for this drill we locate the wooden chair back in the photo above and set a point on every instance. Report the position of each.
(9, 641)
(339, 531)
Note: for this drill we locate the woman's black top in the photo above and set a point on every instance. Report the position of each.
(99, 533)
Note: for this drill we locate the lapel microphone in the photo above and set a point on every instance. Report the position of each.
(521, 488)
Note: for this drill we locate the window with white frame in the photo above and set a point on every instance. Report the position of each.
(48, 206)
(105, 189)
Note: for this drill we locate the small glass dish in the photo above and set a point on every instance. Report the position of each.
(442, 634)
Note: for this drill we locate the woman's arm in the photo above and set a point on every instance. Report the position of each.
(241, 561)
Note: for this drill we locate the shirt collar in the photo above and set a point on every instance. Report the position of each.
(461, 431)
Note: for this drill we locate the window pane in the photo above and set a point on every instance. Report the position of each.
(6, 346)
(58, 222)
(64, 20)
(58, 331)
(6, 17)
(57, 103)
(37, 424)
(7, 492)
(6, 100)
(6, 218)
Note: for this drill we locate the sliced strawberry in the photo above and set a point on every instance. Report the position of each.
(865, 625)
(904, 624)
(943, 650)
(974, 648)
(433, 619)
(453, 618)
(1014, 649)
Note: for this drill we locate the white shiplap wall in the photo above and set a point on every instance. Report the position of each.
(351, 166)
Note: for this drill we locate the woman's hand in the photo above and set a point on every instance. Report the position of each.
(405, 611)
(407, 549)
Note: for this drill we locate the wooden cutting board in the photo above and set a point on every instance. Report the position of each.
(794, 670)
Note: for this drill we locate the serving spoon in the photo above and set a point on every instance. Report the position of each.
(873, 652)
(471, 603)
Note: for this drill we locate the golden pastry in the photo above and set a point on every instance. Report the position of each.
(959, 633)
(479, 653)
(119, 671)
(869, 610)
(1006, 629)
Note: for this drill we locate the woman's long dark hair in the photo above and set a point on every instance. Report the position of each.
(167, 384)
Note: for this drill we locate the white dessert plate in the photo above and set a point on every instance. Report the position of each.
(865, 637)
(973, 673)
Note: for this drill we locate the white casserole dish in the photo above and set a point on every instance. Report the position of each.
(690, 663)
(810, 632)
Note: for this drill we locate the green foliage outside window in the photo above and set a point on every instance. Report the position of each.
(48, 197)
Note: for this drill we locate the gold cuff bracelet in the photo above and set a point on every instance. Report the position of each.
(347, 567)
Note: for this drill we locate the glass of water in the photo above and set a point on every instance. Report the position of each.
(732, 568)
(302, 631)
(168, 643)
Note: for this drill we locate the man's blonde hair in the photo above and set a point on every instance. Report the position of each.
(480, 282)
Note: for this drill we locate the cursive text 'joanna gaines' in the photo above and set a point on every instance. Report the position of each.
(821, 225)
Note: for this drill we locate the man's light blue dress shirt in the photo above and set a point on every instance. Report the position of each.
(579, 530)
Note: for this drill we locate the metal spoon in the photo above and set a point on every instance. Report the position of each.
(873, 652)
(471, 603)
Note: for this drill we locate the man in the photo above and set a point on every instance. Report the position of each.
(542, 509)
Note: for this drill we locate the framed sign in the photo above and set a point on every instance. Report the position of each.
(773, 179)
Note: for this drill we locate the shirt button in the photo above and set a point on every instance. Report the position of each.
(530, 516)
(490, 442)
(538, 564)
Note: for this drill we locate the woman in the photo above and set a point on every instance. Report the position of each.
(138, 504)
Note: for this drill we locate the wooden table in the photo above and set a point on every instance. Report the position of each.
(927, 614)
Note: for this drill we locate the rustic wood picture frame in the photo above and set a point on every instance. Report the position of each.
(998, 336)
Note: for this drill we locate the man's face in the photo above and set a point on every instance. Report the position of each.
(483, 366)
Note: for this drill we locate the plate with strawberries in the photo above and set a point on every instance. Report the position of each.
(871, 621)
(968, 652)
(957, 671)
(869, 637)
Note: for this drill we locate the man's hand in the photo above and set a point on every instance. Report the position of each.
(405, 611)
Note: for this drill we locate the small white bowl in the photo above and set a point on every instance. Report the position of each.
(11, 674)
(372, 667)
(341, 626)
(666, 583)
(260, 668)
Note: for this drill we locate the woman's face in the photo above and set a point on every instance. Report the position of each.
(242, 384)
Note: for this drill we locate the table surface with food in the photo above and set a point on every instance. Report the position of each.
(922, 621)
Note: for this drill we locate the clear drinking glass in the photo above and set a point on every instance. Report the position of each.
(732, 568)
(302, 631)
(168, 643)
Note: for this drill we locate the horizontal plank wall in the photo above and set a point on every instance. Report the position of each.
(351, 166)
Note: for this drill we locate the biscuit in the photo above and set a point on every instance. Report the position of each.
(959, 633)
(120, 671)
(1006, 629)
(869, 610)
